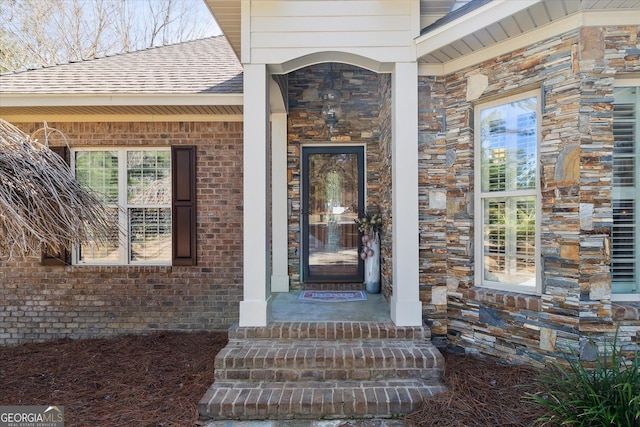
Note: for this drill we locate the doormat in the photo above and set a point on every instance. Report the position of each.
(332, 296)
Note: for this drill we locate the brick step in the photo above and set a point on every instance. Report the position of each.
(319, 360)
(329, 331)
(314, 400)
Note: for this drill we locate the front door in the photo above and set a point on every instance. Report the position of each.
(332, 197)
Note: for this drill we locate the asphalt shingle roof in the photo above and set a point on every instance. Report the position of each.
(206, 66)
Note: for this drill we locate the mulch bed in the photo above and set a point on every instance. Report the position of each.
(154, 380)
(483, 392)
(157, 380)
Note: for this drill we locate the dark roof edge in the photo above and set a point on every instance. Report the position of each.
(452, 16)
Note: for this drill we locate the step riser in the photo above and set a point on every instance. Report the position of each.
(322, 370)
(329, 331)
(320, 403)
(284, 375)
(329, 361)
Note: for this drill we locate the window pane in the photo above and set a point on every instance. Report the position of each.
(509, 240)
(508, 140)
(149, 177)
(98, 170)
(105, 252)
(150, 234)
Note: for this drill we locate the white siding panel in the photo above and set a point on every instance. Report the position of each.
(330, 8)
(330, 40)
(262, 24)
(282, 30)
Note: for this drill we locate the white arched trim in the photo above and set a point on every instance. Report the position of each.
(277, 94)
(331, 56)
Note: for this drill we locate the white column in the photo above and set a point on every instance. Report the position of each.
(406, 308)
(279, 203)
(255, 308)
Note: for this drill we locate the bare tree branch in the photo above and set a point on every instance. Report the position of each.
(38, 33)
(41, 203)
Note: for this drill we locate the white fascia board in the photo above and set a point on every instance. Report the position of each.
(561, 26)
(467, 24)
(70, 100)
(245, 31)
(611, 18)
(84, 118)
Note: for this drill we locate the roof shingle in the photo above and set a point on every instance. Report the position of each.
(206, 66)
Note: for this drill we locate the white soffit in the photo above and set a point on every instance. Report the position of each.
(227, 15)
(502, 26)
(119, 107)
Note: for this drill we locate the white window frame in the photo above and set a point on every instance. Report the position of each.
(634, 82)
(124, 246)
(479, 197)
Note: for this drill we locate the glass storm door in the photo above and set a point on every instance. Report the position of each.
(332, 197)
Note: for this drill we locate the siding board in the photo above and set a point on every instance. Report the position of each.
(261, 24)
(330, 8)
(282, 30)
(331, 40)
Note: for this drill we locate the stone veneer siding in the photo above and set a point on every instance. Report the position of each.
(42, 303)
(576, 71)
(360, 125)
(386, 247)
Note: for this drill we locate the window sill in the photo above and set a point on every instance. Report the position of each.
(506, 298)
(626, 310)
(119, 269)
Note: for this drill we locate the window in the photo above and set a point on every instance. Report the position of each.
(625, 238)
(507, 194)
(136, 185)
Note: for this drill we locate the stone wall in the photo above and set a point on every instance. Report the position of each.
(360, 125)
(386, 246)
(40, 303)
(576, 73)
(435, 189)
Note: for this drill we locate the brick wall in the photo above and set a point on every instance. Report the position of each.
(576, 71)
(42, 303)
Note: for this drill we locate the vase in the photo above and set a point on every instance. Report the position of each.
(372, 265)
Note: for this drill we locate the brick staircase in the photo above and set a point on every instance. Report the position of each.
(329, 370)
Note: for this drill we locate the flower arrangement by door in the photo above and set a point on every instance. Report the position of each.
(370, 226)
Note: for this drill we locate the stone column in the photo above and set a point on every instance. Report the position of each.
(255, 308)
(406, 308)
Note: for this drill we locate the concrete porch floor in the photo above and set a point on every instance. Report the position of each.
(286, 307)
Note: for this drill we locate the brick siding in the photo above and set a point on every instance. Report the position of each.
(42, 303)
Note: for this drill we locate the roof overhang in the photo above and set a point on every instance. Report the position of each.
(227, 14)
(468, 24)
(121, 107)
(502, 26)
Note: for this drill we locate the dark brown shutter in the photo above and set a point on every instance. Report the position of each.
(62, 256)
(183, 180)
